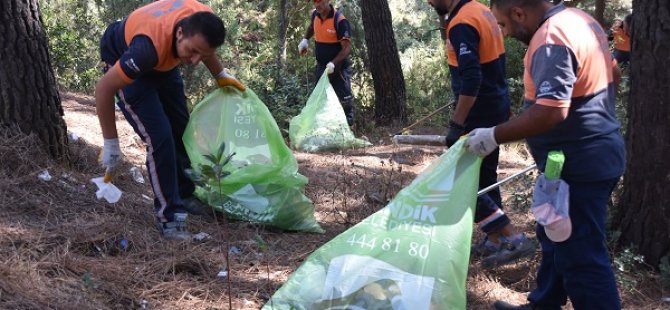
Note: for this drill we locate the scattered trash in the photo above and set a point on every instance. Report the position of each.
(666, 299)
(144, 304)
(201, 236)
(222, 274)
(234, 250)
(106, 189)
(69, 177)
(376, 197)
(146, 197)
(124, 244)
(44, 176)
(137, 175)
(72, 137)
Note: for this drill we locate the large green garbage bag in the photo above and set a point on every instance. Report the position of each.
(322, 125)
(411, 255)
(264, 185)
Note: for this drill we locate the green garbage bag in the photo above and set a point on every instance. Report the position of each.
(411, 255)
(322, 125)
(264, 185)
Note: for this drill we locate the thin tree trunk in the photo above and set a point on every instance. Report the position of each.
(644, 212)
(599, 13)
(29, 96)
(389, 82)
(281, 35)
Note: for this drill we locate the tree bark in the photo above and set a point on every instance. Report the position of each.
(644, 211)
(599, 13)
(281, 41)
(388, 79)
(29, 95)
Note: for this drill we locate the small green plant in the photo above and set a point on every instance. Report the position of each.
(262, 245)
(624, 263)
(89, 282)
(207, 176)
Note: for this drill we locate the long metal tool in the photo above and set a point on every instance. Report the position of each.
(505, 180)
(424, 118)
(306, 71)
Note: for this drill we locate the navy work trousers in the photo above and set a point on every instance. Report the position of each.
(579, 267)
(155, 106)
(489, 205)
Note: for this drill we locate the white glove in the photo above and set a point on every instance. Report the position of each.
(481, 141)
(330, 67)
(111, 153)
(302, 47)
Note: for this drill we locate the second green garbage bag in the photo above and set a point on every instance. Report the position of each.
(322, 125)
(411, 255)
(264, 185)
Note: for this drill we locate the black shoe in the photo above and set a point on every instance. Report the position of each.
(196, 207)
(510, 251)
(501, 305)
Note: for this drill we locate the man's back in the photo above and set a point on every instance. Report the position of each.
(568, 65)
(476, 58)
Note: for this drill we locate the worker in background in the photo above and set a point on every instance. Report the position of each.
(332, 37)
(476, 58)
(621, 36)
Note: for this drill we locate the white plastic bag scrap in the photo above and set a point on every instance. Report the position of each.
(108, 191)
(44, 176)
(137, 175)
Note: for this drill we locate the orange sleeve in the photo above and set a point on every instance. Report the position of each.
(117, 67)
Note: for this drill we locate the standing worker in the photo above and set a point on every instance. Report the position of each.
(569, 99)
(621, 37)
(332, 37)
(141, 54)
(476, 57)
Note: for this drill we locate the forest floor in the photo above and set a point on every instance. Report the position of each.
(61, 248)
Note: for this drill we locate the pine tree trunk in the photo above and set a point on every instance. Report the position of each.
(281, 41)
(643, 215)
(599, 13)
(389, 82)
(29, 95)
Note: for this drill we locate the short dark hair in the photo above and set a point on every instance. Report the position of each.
(504, 5)
(205, 23)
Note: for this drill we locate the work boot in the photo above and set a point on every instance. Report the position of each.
(175, 230)
(501, 305)
(510, 251)
(194, 206)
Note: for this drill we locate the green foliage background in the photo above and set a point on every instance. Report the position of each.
(250, 52)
